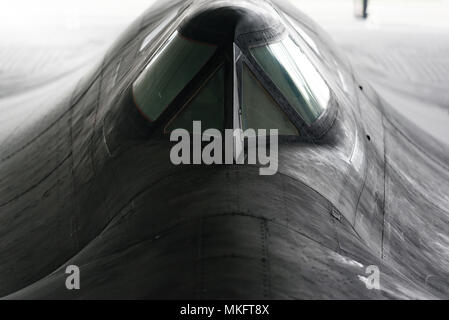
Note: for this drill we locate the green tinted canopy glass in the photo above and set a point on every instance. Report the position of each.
(207, 106)
(168, 73)
(259, 110)
(295, 76)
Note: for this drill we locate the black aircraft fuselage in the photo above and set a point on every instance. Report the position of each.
(91, 183)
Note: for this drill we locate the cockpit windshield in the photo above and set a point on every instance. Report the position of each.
(256, 80)
(259, 110)
(206, 106)
(295, 76)
(173, 67)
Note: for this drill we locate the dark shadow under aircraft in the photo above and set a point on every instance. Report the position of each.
(358, 189)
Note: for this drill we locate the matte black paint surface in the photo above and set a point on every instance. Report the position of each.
(79, 188)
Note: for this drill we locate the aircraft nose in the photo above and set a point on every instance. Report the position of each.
(207, 232)
(200, 233)
(211, 232)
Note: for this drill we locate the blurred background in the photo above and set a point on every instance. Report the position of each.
(402, 47)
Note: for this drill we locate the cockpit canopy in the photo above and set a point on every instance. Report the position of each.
(233, 67)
